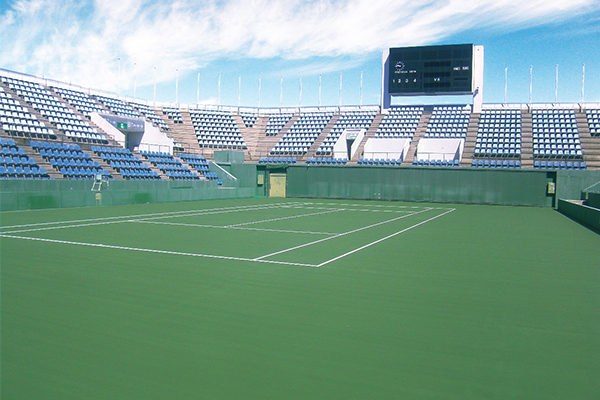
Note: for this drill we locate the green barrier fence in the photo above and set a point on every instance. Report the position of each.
(586, 215)
(511, 187)
(34, 194)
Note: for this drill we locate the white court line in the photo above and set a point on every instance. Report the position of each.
(174, 213)
(284, 218)
(231, 227)
(384, 238)
(49, 228)
(341, 234)
(107, 246)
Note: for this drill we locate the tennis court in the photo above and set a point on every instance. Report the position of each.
(299, 298)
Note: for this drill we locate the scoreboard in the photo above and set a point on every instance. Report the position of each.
(431, 70)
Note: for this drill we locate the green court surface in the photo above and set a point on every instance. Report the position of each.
(299, 299)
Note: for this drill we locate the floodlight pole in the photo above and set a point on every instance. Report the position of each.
(361, 89)
(583, 84)
(198, 89)
(300, 98)
(556, 86)
(239, 90)
(259, 84)
(219, 91)
(119, 76)
(340, 89)
(154, 84)
(134, 78)
(530, 84)
(177, 86)
(319, 90)
(281, 93)
(505, 83)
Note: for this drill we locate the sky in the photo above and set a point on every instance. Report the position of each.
(222, 51)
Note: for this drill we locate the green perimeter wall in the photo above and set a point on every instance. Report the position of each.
(40, 194)
(571, 183)
(588, 216)
(451, 185)
(481, 186)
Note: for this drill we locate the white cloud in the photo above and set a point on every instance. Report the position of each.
(81, 41)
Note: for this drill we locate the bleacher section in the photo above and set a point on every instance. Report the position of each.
(81, 101)
(15, 163)
(69, 160)
(151, 116)
(118, 107)
(510, 136)
(249, 119)
(351, 119)
(171, 167)
(593, 119)
(62, 117)
(173, 114)
(448, 122)
(499, 135)
(217, 130)
(555, 134)
(400, 122)
(278, 160)
(276, 123)
(302, 134)
(125, 163)
(16, 120)
(198, 162)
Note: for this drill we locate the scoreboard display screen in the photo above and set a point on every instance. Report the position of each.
(446, 69)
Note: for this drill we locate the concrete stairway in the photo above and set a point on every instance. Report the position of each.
(470, 140)
(312, 151)
(369, 134)
(589, 144)
(526, 139)
(419, 134)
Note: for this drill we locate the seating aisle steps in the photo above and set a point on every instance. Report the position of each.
(312, 151)
(369, 134)
(589, 144)
(419, 133)
(470, 140)
(526, 139)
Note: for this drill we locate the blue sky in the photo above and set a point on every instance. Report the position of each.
(80, 41)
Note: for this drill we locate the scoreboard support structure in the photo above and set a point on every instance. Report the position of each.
(432, 71)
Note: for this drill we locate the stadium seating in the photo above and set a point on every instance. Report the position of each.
(170, 166)
(499, 133)
(448, 122)
(198, 162)
(81, 101)
(400, 122)
(15, 163)
(278, 160)
(436, 163)
(118, 107)
(379, 162)
(173, 114)
(593, 118)
(326, 161)
(302, 134)
(555, 134)
(62, 117)
(350, 119)
(217, 130)
(249, 119)
(16, 120)
(125, 163)
(276, 123)
(151, 116)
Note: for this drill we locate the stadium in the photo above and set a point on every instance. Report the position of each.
(427, 251)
